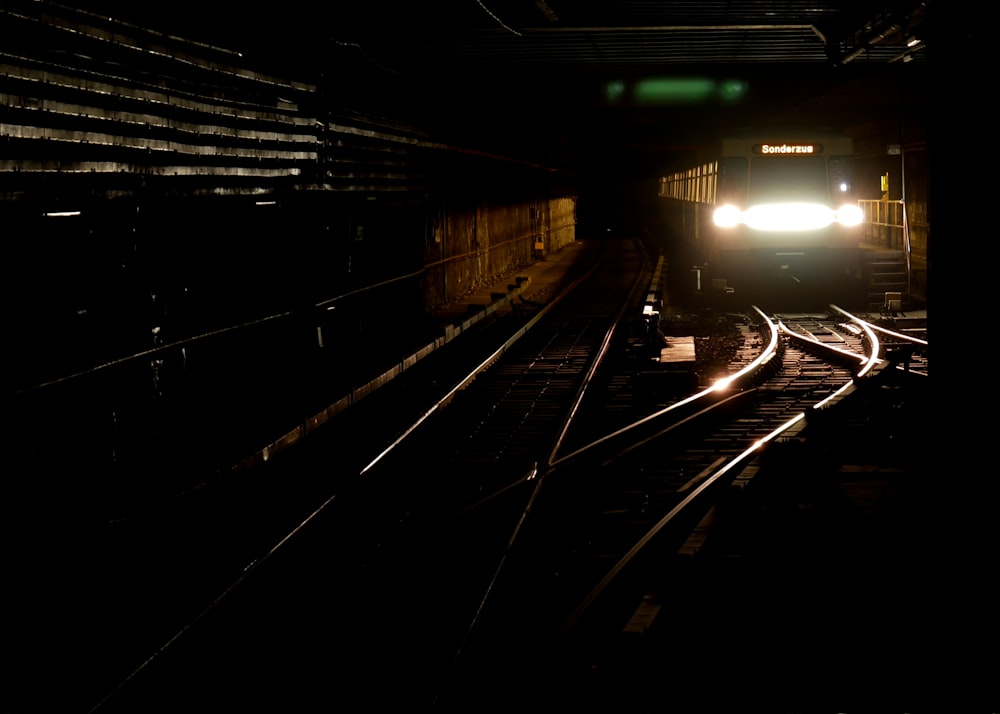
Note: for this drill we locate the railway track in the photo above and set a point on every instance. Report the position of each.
(904, 349)
(494, 541)
(641, 494)
(362, 508)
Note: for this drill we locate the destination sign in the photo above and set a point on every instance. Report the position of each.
(772, 149)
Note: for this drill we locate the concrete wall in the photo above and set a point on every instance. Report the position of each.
(193, 238)
(473, 246)
(86, 97)
(190, 179)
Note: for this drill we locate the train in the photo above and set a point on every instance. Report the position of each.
(767, 215)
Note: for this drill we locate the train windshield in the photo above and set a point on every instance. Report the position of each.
(780, 178)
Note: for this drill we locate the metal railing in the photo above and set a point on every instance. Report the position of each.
(888, 225)
(885, 224)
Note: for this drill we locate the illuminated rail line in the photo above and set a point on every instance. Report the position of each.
(630, 494)
(486, 509)
(368, 515)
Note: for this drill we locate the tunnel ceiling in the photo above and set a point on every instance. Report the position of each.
(532, 37)
(650, 73)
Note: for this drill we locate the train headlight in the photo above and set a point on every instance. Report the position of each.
(850, 215)
(727, 216)
(789, 217)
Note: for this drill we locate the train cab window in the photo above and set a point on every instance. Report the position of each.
(732, 186)
(797, 177)
(840, 175)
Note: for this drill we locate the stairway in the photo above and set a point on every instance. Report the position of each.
(886, 279)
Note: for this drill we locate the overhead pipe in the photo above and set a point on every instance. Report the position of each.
(871, 42)
(892, 29)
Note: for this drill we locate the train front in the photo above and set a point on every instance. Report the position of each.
(785, 220)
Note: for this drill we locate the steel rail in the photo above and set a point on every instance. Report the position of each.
(707, 481)
(317, 512)
(880, 328)
(735, 380)
(538, 477)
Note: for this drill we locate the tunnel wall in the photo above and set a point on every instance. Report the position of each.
(150, 182)
(473, 246)
(194, 238)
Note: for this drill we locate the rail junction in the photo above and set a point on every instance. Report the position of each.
(532, 514)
